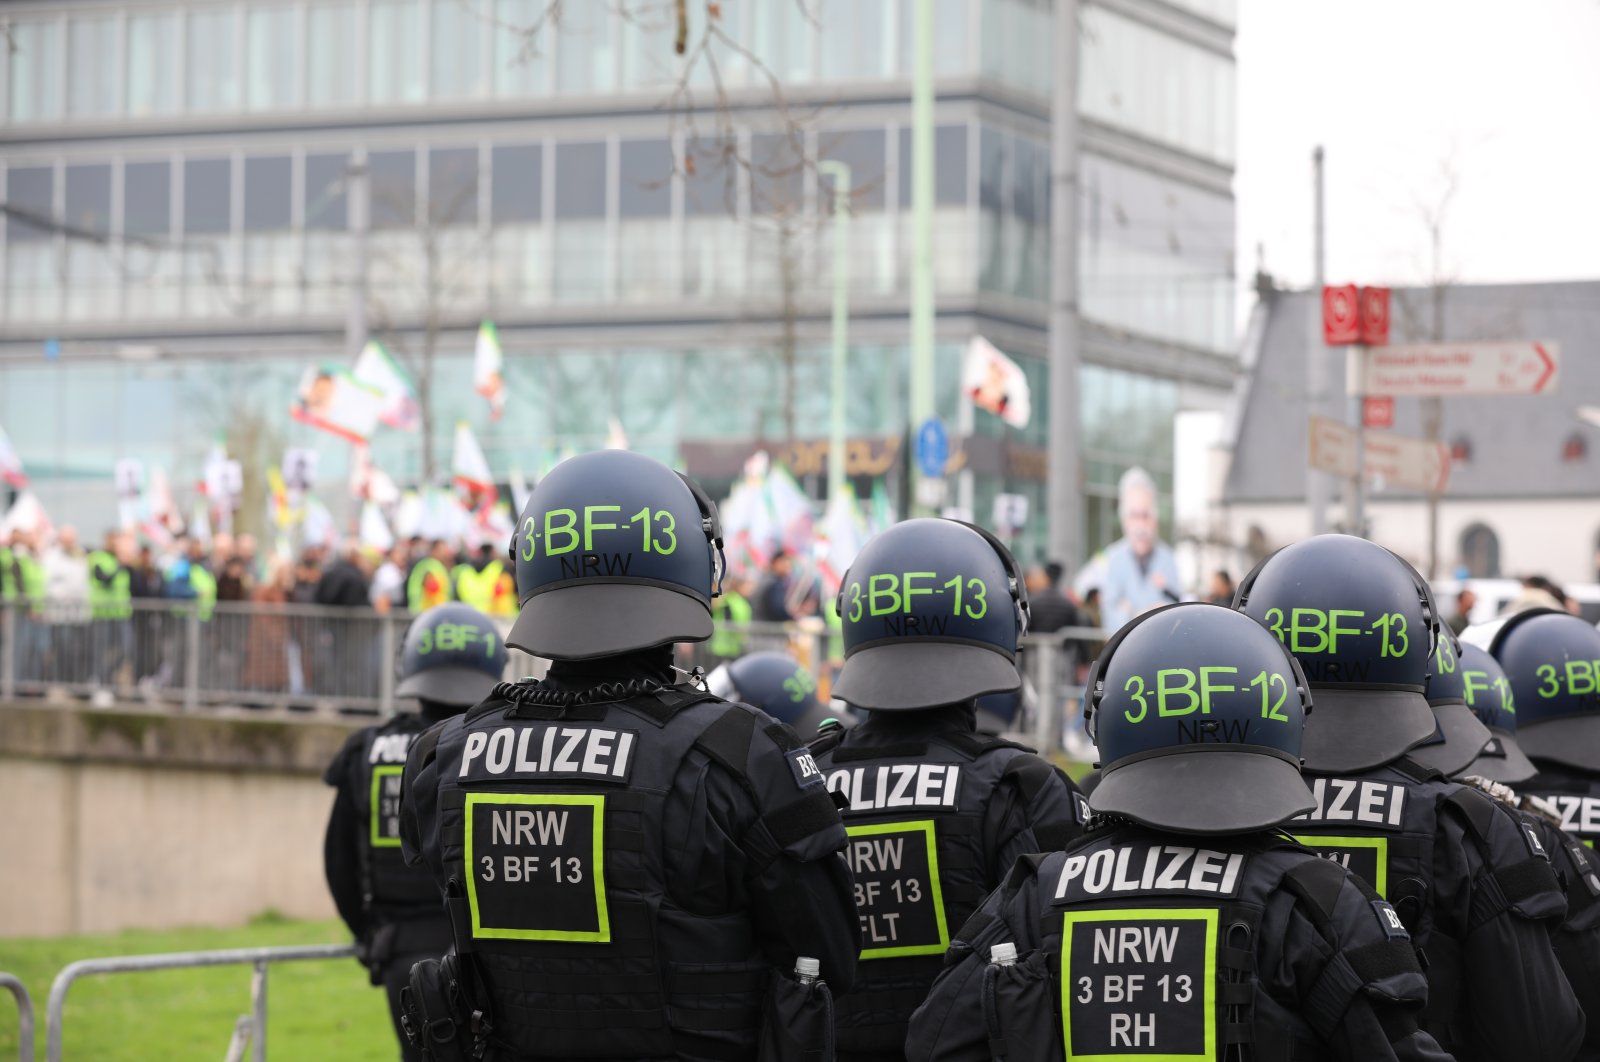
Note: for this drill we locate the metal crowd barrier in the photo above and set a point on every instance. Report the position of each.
(259, 958)
(282, 657)
(24, 1015)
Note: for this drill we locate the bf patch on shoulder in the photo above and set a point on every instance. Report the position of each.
(1389, 921)
(804, 768)
(1080, 806)
(1583, 865)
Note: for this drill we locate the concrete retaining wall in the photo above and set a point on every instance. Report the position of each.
(126, 819)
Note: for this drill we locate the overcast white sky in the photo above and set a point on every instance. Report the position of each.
(1510, 89)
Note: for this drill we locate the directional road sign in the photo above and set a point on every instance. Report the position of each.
(1510, 367)
(933, 447)
(1392, 460)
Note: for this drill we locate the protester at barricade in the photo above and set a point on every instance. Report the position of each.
(429, 582)
(146, 586)
(1052, 609)
(110, 611)
(1221, 591)
(345, 646)
(66, 607)
(772, 598)
(266, 659)
(388, 590)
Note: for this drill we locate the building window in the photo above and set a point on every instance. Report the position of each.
(213, 69)
(1480, 552)
(147, 216)
(33, 275)
(394, 54)
(521, 254)
(394, 189)
(586, 62)
(91, 280)
(1144, 81)
(856, 39)
(36, 71)
(270, 52)
(872, 247)
(271, 249)
(332, 74)
(581, 246)
(152, 65)
(712, 236)
(521, 63)
(92, 87)
(459, 71)
(952, 37)
(646, 262)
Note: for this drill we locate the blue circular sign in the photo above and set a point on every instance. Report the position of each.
(933, 447)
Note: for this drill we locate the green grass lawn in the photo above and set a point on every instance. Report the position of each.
(316, 1010)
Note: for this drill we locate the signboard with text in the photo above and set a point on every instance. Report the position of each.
(1508, 367)
(1391, 460)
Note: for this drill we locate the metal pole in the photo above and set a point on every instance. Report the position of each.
(386, 660)
(191, 659)
(1316, 352)
(1063, 497)
(921, 398)
(258, 1011)
(8, 651)
(1358, 493)
(840, 172)
(24, 1015)
(358, 213)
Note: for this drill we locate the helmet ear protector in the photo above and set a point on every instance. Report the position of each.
(1430, 609)
(1095, 684)
(710, 526)
(1014, 582)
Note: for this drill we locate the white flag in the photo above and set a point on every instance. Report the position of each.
(374, 530)
(10, 464)
(996, 383)
(469, 469)
(488, 369)
(398, 408)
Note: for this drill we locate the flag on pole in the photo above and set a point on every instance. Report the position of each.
(333, 400)
(397, 408)
(200, 525)
(161, 518)
(469, 469)
(488, 369)
(25, 514)
(616, 438)
(375, 531)
(520, 491)
(10, 464)
(368, 482)
(996, 383)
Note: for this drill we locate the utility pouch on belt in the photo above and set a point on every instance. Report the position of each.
(435, 1015)
(1019, 1013)
(797, 1022)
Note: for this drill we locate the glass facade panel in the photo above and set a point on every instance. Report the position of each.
(331, 75)
(518, 181)
(213, 67)
(30, 189)
(88, 203)
(1016, 41)
(952, 37)
(92, 86)
(586, 61)
(1155, 257)
(152, 65)
(207, 195)
(147, 198)
(647, 262)
(36, 71)
(713, 249)
(270, 48)
(394, 188)
(648, 60)
(91, 280)
(783, 41)
(456, 52)
(521, 63)
(395, 69)
(325, 197)
(857, 39)
(453, 186)
(1141, 80)
(872, 233)
(580, 230)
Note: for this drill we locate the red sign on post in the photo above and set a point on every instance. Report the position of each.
(1374, 316)
(1377, 411)
(1341, 315)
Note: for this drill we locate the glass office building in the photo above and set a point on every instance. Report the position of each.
(179, 241)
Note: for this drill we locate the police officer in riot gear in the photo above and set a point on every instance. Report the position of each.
(630, 863)
(937, 813)
(778, 685)
(1458, 734)
(1551, 745)
(1182, 924)
(1477, 893)
(451, 659)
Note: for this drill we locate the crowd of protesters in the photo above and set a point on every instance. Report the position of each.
(117, 619)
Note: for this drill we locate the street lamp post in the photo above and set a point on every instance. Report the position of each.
(840, 172)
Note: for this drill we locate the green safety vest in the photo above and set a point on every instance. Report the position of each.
(108, 602)
(417, 599)
(8, 579)
(205, 590)
(732, 614)
(476, 588)
(32, 580)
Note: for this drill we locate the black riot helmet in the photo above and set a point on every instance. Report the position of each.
(1363, 625)
(931, 611)
(1552, 660)
(1458, 735)
(452, 654)
(775, 683)
(1488, 693)
(614, 552)
(1198, 715)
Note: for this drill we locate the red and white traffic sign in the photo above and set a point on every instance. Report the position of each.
(1374, 316)
(1512, 367)
(1391, 460)
(1341, 315)
(1377, 411)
